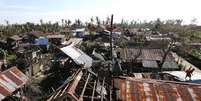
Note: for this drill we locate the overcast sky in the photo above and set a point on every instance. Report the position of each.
(20, 11)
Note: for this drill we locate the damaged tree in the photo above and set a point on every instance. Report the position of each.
(166, 52)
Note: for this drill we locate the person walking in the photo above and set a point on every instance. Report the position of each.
(189, 73)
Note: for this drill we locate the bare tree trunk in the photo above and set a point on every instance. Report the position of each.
(166, 52)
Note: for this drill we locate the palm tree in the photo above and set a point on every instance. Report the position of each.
(92, 20)
(69, 22)
(108, 20)
(41, 22)
(62, 21)
(98, 21)
(66, 23)
(78, 22)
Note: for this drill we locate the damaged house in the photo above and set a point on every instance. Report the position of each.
(29, 59)
(145, 60)
(56, 39)
(83, 84)
(14, 41)
(44, 39)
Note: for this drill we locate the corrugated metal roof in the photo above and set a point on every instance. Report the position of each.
(170, 65)
(11, 80)
(78, 56)
(128, 54)
(149, 64)
(74, 41)
(130, 89)
(55, 36)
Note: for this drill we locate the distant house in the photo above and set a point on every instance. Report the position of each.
(38, 38)
(65, 31)
(117, 30)
(79, 32)
(43, 39)
(14, 41)
(146, 59)
(56, 39)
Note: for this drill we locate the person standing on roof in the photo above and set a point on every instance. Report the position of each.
(189, 73)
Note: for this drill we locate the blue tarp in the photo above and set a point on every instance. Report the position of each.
(41, 41)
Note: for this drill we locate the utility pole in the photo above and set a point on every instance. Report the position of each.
(112, 58)
(111, 40)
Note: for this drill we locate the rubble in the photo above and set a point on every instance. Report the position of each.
(98, 63)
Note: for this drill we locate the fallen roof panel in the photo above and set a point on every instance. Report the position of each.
(78, 56)
(11, 80)
(130, 89)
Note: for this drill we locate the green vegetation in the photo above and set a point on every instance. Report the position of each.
(196, 53)
(10, 58)
(197, 35)
(137, 40)
(7, 57)
(88, 46)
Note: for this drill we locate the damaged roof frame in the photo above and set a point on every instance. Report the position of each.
(69, 89)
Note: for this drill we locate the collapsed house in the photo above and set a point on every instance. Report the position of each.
(30, 59)
(82, 85)
(11, 81)
(14, 41)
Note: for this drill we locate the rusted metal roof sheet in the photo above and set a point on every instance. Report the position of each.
(11, 80)
(130, 89)
(73, 41)
(73, 86)
(128, 54)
